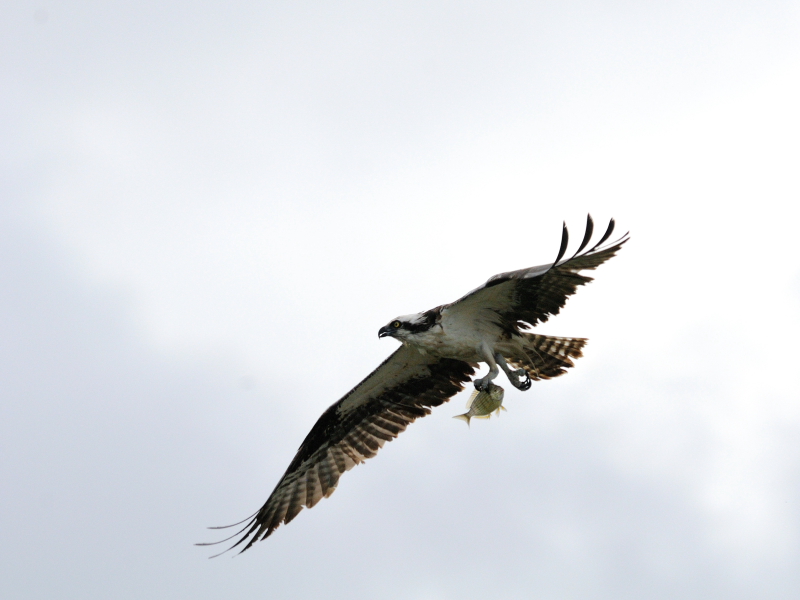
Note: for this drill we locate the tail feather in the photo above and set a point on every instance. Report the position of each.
(544, 356)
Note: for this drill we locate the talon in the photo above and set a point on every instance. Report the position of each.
(482, 383)
(525, 384)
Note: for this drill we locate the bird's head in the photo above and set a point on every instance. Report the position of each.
(402, 328)
(397, 328)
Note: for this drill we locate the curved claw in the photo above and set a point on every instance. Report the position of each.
(523, 385)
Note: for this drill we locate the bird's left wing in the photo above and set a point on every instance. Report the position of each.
(404, 387)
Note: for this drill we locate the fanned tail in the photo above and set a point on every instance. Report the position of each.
(544, 356)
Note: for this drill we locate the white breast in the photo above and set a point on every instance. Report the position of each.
(459, 335)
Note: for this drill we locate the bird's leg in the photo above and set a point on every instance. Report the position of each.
(486, 353)
(519, 378)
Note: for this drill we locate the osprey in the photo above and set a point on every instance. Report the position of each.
(440, 351)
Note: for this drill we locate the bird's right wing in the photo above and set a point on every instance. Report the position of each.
(403, 388)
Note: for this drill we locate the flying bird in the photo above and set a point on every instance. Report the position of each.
(439, 353)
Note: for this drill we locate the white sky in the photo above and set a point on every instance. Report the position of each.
(207, 210)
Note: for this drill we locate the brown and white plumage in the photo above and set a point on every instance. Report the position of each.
(439, 354)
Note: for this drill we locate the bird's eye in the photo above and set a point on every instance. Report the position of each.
(396, 324)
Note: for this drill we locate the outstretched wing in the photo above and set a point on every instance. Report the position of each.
(530, 296)
(403, 388)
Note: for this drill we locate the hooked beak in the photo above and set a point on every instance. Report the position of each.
(384, 331)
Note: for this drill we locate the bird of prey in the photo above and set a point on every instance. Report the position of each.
(439, 352)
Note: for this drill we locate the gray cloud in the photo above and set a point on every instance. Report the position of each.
(208, 211)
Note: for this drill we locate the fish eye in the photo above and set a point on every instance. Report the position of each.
(396, 324)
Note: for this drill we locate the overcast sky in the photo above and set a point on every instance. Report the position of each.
(208, 209)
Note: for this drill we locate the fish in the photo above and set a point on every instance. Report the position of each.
(482, 404)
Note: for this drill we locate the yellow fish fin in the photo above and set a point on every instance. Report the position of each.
(464, 417)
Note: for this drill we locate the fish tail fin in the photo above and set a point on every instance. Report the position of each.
(464, 417)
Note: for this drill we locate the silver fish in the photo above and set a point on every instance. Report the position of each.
(481, 405)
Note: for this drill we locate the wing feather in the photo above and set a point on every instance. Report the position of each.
(403, 388)
(313, 487)
(587, 235)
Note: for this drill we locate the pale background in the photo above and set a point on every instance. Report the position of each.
(208, 209)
